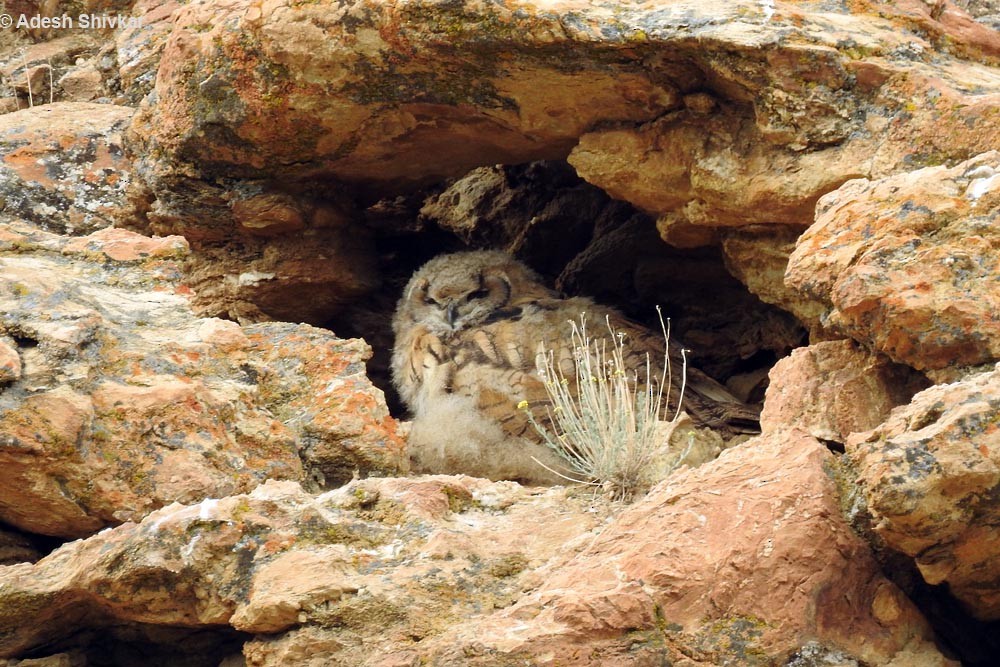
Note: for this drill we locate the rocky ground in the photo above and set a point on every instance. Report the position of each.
(206, 217)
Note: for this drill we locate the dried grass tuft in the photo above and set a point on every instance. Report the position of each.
(605, 421)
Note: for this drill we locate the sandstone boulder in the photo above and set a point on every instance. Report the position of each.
(707, 115)
(931, 475)
(126, 401)
(35, 72)
(62, 165)
(722, 170)
(138, 47)
(909, 264)
(833, 389)
(290, 267)
(395, 572)
(374, 565)
(744, 560)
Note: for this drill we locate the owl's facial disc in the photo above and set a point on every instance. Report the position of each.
(462, 304)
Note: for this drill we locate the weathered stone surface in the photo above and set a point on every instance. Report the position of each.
(316, 384)
(139, 47)
(698, 172)
(384, 96)
(369, 567)
(986, 12)
(10, 361)
(62, 165)
(745, 560)
(853, 92)
(396, 106)
(272, 121)
(833, 389)
(909, 264)
(127, 401)
(715, 171)
(758, 258)
(931, 476)
(82, 84)
(396, 571)
(307, 276)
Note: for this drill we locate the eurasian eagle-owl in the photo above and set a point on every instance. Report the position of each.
(467, 331)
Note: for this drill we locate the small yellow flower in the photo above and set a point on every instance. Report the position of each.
(523, 405)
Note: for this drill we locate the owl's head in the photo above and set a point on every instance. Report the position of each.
(464, 289)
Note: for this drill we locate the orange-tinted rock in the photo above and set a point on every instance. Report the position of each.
(82, 84)
(951, 25)
(35, 71)
(909, 264)
(711, 171)
(127, 401)
(10, 362)
(306, 276)
(745, 560)
(46, 427)
(269, 214)
(353, 573)
(931, 476)
(316, 381)
(139, 46)
(63, 165)
(755, 113)
(392, 79)
(833, 389)
(124, 246)
(759, 259)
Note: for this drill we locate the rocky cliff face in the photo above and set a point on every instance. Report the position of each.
(202, 212)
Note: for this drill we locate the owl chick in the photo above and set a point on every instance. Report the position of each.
(467, 331)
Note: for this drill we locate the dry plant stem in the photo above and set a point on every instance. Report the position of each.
(607, 432)
(27, 79)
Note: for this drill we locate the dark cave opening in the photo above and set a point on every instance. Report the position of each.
(582, 242)
(17, 546)
(960, 635)
(129, 645)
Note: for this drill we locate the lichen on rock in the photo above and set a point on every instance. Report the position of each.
(931, 476)
(214, 190)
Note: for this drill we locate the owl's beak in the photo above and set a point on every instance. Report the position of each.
(451, 315)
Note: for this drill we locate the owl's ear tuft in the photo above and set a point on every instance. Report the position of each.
(417, 287)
